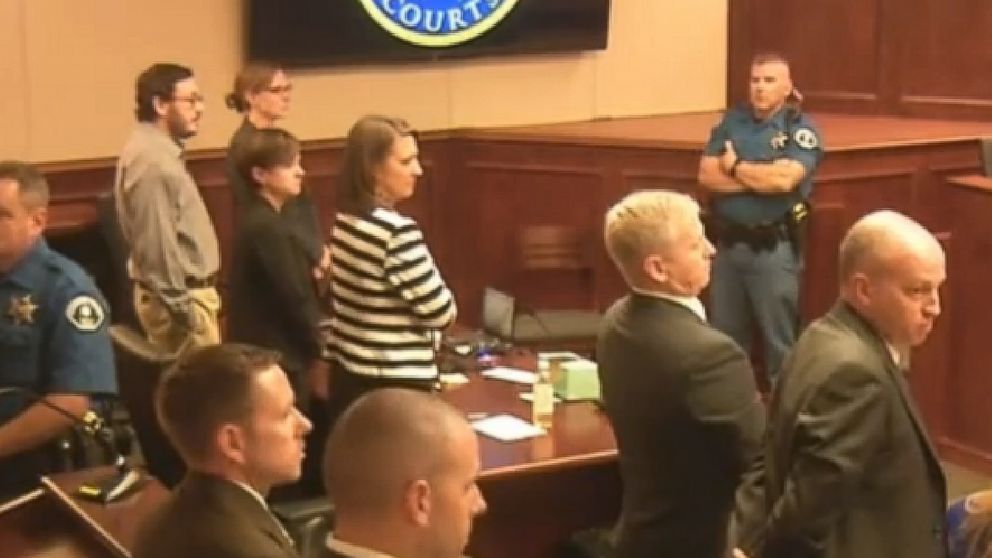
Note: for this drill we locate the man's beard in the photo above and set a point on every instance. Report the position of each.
(178, 128)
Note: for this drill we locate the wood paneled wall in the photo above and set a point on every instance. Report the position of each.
(477, 191)
(925, 58)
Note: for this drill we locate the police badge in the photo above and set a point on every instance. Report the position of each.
(22, 310)
(85, 313)
(806, 138)
(778, 140)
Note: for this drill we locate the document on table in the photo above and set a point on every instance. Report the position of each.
(529, 397)
(453, 378)
(514, 375)
(507, 428)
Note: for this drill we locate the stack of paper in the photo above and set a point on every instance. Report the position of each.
(507, 428)
(510, 375)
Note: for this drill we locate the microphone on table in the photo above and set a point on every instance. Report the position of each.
(105, 490)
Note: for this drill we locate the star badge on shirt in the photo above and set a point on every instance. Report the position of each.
(779, 139)
(22, 310)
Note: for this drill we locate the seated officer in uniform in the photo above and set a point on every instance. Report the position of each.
(401, 467)
(758, 166)
(53, 335)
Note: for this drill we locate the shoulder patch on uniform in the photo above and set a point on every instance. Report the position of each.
(85, 313)
(806, 138)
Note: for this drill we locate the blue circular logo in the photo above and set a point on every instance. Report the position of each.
(437, 23)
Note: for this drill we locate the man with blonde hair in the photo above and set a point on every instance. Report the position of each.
(680, 394)
(849, 471)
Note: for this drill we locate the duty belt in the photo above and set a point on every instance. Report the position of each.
(759, 237)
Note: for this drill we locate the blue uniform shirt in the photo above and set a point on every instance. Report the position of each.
(53, 331)
(783, 136)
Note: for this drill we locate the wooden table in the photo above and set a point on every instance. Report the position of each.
(50, 521)
(540, 490)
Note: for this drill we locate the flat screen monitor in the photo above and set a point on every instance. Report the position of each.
(301, 33)
(497, 314)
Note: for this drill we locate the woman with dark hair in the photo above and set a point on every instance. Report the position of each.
(272, 300)
(261, 92)
(389, 300)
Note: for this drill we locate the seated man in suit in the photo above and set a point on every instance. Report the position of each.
(229, 411)
(680, 394)
(401, 466)
(849, 471)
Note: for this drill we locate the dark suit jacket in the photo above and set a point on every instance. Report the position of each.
(272, 300)
(849, 471)
(208, 517)
(688, 423)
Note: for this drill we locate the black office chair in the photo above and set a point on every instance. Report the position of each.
(555, 251)
(308, 523)
(119, 291)
(139, 365)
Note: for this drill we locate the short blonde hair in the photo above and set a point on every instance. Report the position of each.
(645, 223)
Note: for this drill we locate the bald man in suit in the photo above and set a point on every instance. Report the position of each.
(401, 467)
(849, 470)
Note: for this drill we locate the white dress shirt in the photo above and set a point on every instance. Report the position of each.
(351, 550)
(690, 302)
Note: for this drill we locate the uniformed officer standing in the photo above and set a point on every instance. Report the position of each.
(758, 165)
(173, 246)
(53, 334)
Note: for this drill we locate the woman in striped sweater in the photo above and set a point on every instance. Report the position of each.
(389, 300)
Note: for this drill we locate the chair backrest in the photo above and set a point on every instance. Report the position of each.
(498, 311)
(552, 247)
(110, 230)
(987, 156)
(139, 365)
(308, 522)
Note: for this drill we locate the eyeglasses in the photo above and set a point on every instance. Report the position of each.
(277, 89)
(192, 100)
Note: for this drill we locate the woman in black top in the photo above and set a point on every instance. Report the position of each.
(272, 301)
(261, 93)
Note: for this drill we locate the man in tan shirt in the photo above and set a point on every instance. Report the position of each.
(173, 246)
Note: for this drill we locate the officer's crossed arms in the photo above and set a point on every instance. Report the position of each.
(728, 174)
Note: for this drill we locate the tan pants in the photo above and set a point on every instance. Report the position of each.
(163, 331)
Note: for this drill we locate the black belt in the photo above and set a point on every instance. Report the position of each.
(194, 283)
(191, 283)
(760, 236)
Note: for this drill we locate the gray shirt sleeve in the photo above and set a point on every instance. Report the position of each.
(154, 205)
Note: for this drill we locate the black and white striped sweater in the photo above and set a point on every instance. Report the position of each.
(389, 299)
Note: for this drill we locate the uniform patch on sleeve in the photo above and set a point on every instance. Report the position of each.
(806, 138)
(85, 313)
